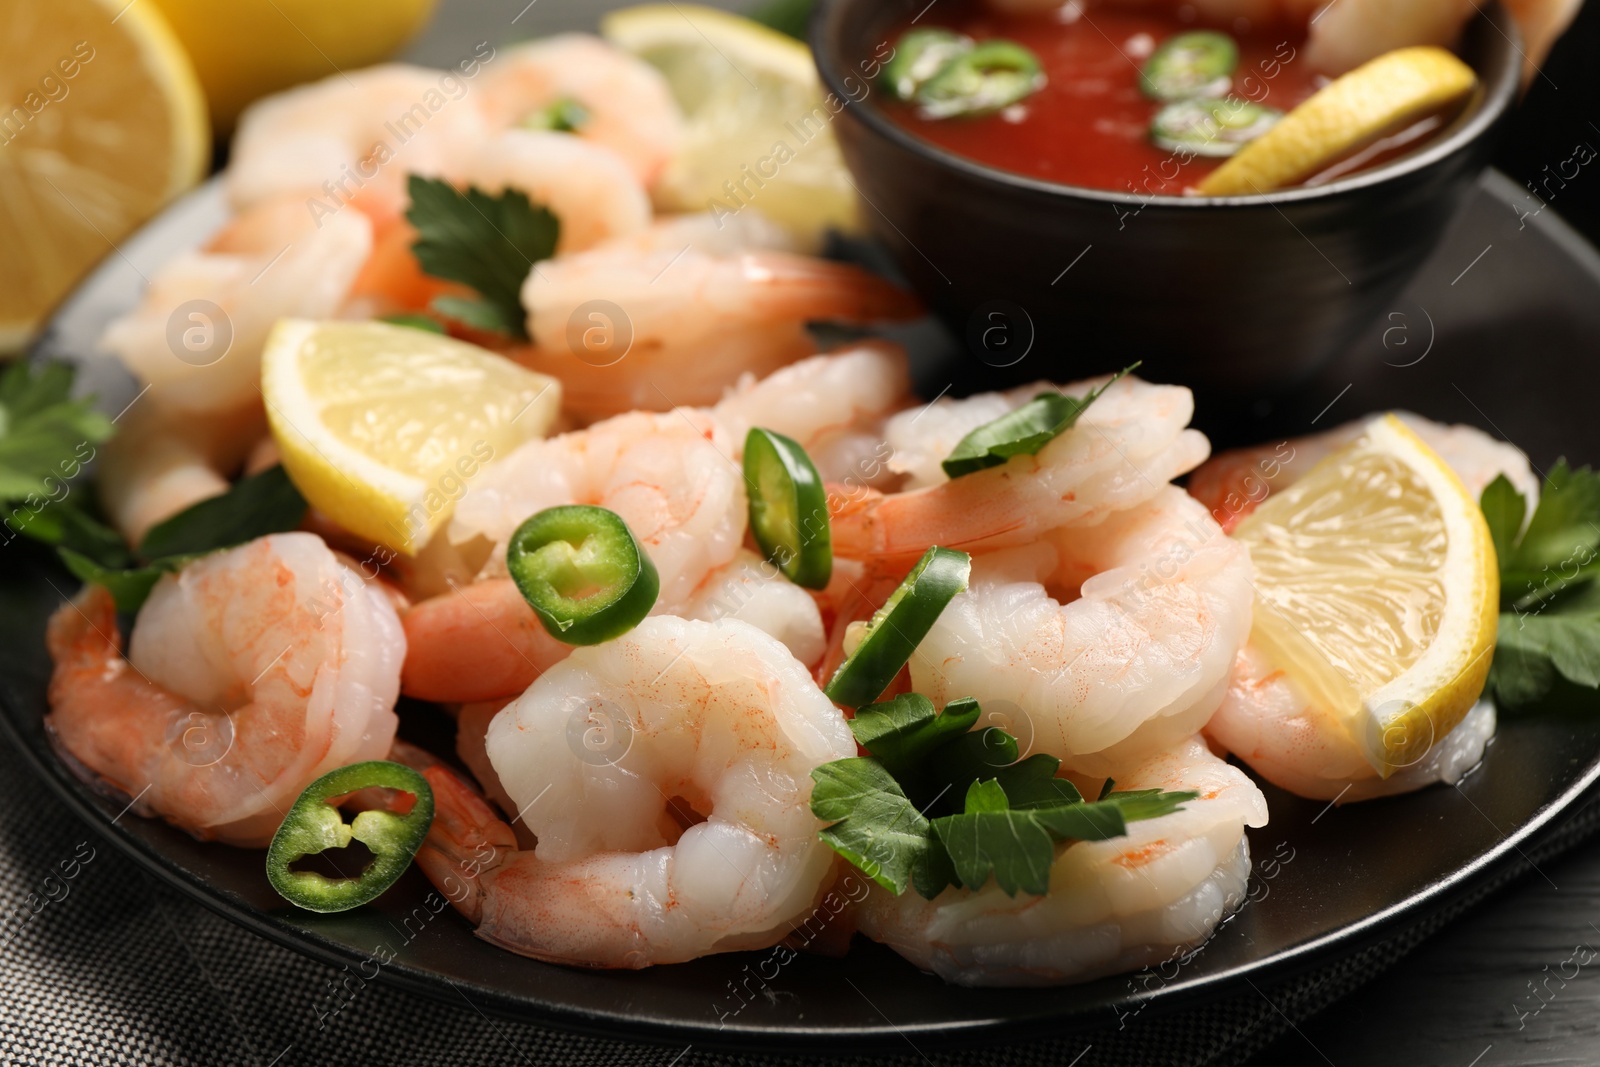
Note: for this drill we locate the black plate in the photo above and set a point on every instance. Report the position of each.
(1494, 333)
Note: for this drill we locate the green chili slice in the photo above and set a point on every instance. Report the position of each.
(1211, 127)
(583, 572)
(896, 629)
(788, 508)
(1023, 431)
(991, 76)
(918, 56)
(565, 115)
(1198, 63)
(315, 824)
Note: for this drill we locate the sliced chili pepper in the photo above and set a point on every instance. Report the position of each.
(1211, 127)
(992, 76)
(315, 824)
(896, 629)
(788, 508)
(1198, 63)
(583, 572)
(565, 115)
(919, 55)
(1023, 431)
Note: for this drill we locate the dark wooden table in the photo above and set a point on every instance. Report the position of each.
(1496, 987)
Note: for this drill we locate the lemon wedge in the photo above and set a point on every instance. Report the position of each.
(757, 131)
(382, 428)
(101, 124)
(245, 49)
(1377, 590)
(1376, 99)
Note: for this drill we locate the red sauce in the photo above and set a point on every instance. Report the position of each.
(1090, 124)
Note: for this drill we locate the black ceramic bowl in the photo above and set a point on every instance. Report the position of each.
(1238, 296)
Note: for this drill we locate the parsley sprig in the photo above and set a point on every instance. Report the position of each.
(46, 440)
(938, 803)
(1549, 599)
(487, 241)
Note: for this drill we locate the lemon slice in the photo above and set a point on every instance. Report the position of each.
(1375, 100)
(1377, 589)
(101, 123)
(245, 49)
(382, 428)
(757, 132)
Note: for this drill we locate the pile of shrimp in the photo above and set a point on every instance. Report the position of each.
(646, 800)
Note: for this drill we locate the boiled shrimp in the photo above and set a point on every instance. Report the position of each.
(1111, 642)
(667, 778)
(1123, 449)
(672, 479)
(1299, 745)
(626, 105)
(834, 405)
(483, 641)
(196, 336)
(1113, 905)
(677, 313)
(1265, 718)
(361, 132)
(249, 673)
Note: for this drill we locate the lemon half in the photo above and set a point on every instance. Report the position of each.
(758, 131)
(382, 428)
(102, 122)
(1377, 590)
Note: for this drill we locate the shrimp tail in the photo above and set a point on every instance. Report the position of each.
(467, 839)
(800, 288)
(448, 658)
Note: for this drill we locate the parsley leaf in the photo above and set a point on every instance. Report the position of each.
(1549, 600)
(938, 803)
(877, 828)
(45, 435)
(1023, 431)
(255, 506)
(486, 241)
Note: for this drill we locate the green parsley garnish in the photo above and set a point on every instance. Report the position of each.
(46, 439)
(937, 804)
(1549, 599)
(488, 242)
(255, 506)
(1023, 431)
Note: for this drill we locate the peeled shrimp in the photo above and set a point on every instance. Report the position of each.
(628, 107)
(250, 673)
(1235, 483)
(670, 475)
(359, 132)
(667, 778)
(1125, 447)
(1268, 721)
(673, 479)
(674, 315)
(1113, 905)
(1136, 659)
(483, 641)
(196, 336)
(834, 405)
(588, 188)
(1298, 745)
